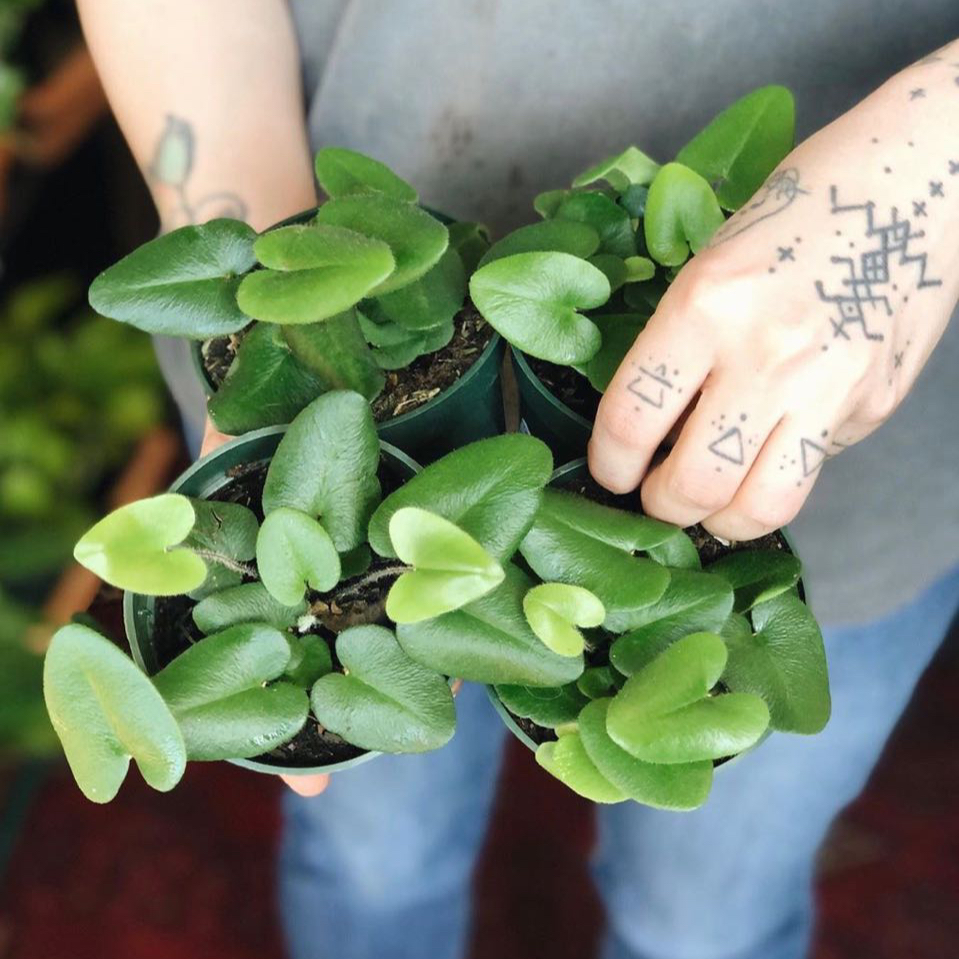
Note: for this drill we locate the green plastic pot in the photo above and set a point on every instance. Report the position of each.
(202, 480)
(565, 432)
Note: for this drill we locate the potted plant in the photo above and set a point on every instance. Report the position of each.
(571, 293)
(262, 592)
(367, 293)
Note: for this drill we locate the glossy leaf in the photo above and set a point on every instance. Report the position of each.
(217, 692)
(612, 267)
(547, 203)
(549, 707)
(342, 172)
(313, 661)
(450, 569)
(434, 299)
(604, 215)
(678, 552)
(182, 283)
(757, 574)
(491, 489)
(386, 701)
(681, 215)
(138, 547)
(246, 603)
(632, 166)
(599, 681)
(567, 760)
(532, 299)
(554, 610)
(550, 236)
(639, 269)
(619, 332)
(294, 551)
(222, 534)
(106, 711)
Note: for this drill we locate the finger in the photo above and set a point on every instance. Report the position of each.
(655, 383)
(713, 454)
(212, 438)
(307, 785)
(457, 686)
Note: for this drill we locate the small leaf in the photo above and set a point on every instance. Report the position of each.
(605, 216)
(294, 551)
(639, 269)
(386, 702)
(554, 610)
(450, 568)
(246, 603)
(757, 574)
(619, 332)
(435, 298)
(613, 267)
(550, 707)
(314, 661)
(313, 272)
(182, 283)
(106, 711)
(135, 547)
(216, 691)
(681, 215)
(222, 532)
(546, 204)
(471, 241)
(355, 562)
(342, 172)
(550, 236)
(598, 681)
(532, 300)
(632, 166)
(633, 200)
(678, 552)
(566, 759)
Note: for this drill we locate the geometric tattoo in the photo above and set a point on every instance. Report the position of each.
(651, 385)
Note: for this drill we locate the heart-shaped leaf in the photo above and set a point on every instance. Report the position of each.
(619, 332)
(550, 236)
(757, 574)
(313, 272)
(312, 661)
(546, 204)
(677, 552)
(575, 541)
(400, 356)
(136, 547)
(693, 602)
(246, 603)
(681, 215)
(550, 707)
(681, 786)
(224, 535)
(471, 241)
(554, 610)
(632, 166)
(294, 551)
(664, 713)
(342, 172)
(532, 300)
(567, 760)
(434, 299)
(416, 239)
(182, 283)
(450, 568)
(784, 662)
(491, 489)
(106, 712)
(606, 217)
(216, 690)
(489, 641)
(326, 466)
(743, 144)
(385, 701)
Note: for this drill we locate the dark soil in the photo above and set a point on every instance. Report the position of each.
(568, 386)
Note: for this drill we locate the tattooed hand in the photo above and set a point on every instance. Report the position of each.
(804, 324)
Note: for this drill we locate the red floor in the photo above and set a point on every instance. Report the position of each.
(188, 875)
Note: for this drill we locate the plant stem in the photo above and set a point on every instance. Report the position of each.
(371, 578)
(226, 561)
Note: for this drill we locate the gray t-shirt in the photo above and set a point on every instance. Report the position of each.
(483, 103)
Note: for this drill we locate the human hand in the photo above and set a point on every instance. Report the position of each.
(802, 326)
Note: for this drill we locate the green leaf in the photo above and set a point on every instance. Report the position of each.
(619, 332)
(265, 385)
(314, 660)
(355, 562)
(549, 707)
(450, 568)
(326, 466)
(532, 300)
(575, 541)
(106, 712)
(612, 267)
(785, 663)
(550, 236)
(554, 610)
(743, 144)
(182, 283)
(222, 532)
(471, 241)
(216, 691)
(681, 215)
(633, 200)
(664, 713)
(490, 641)
(693, 602)
(416, 238)
(757, 574)
(246, 603)
(435, 298)
(681, 786)
(599, 681)
(491, 489)
(343, 172)
(639, 269)
(135, 547)
(605, 216)
(547, 203)
(632, 166)
(566, 759)
(294, 551)
(385, 702)
(678, 552)
(312, 273)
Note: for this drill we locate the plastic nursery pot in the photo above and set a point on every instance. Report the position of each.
(546, 417)
(202, 480)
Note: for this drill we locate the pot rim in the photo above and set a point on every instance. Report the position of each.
(519, 358)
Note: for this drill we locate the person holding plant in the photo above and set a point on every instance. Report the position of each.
(800, 329)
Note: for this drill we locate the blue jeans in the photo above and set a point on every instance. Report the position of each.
(379, 867)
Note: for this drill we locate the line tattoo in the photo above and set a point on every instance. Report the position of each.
(652, 385)
(776, 194)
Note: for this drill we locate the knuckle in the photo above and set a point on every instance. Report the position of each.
(697, 490)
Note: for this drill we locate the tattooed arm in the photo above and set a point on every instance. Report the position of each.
(804, 324)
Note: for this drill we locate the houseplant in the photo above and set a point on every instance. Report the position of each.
(572, 292)
(258, 615)
(367, 292)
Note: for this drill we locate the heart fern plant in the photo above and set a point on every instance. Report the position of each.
(335, 298)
